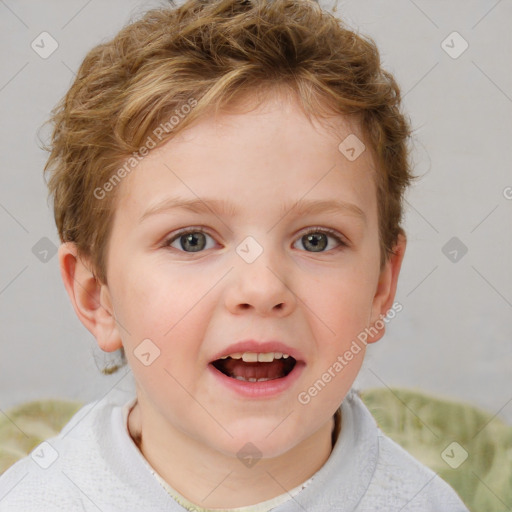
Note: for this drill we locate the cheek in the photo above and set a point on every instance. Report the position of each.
(153, 298)
(339, 316)
(167, 308)
(344, 300)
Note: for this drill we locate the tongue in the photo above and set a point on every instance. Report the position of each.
(239, 368)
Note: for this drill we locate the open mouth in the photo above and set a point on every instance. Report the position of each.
(255, 371)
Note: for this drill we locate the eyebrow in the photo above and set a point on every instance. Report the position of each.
(224, 207)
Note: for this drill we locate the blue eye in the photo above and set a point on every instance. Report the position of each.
(317, 238)
(194, 240)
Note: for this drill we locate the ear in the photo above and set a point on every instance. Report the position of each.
(386, 288)
(91, 299)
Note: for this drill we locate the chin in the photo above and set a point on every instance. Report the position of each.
(258, 444)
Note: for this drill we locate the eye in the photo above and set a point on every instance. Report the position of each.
(317, 239)
(195, 240)
(189, 240)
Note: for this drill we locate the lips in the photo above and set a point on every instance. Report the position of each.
(254, 361)
(259, 347)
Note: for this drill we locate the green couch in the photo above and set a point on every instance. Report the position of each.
(467, 447)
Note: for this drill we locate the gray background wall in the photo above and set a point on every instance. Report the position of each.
(454, 335)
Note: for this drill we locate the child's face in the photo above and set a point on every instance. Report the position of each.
(193, 305)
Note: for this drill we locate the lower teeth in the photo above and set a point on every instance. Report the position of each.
(251, 379)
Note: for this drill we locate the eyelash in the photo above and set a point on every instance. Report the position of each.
(327, 231)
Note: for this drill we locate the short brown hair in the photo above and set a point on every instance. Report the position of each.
(210, 52)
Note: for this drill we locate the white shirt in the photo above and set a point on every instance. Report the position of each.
(94, 465)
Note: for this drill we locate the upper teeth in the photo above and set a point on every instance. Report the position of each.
(252, 357)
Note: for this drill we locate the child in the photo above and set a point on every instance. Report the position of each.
(269, 132)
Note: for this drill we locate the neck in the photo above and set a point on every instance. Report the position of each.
(211, 479)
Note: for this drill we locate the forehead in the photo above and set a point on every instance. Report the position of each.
(248, 154)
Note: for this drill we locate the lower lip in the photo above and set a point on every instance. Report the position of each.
(263, 389)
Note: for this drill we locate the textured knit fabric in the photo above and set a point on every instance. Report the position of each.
(93, 464)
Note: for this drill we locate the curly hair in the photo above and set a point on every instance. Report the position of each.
(166, 69)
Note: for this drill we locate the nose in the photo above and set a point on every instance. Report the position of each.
(263, 285)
